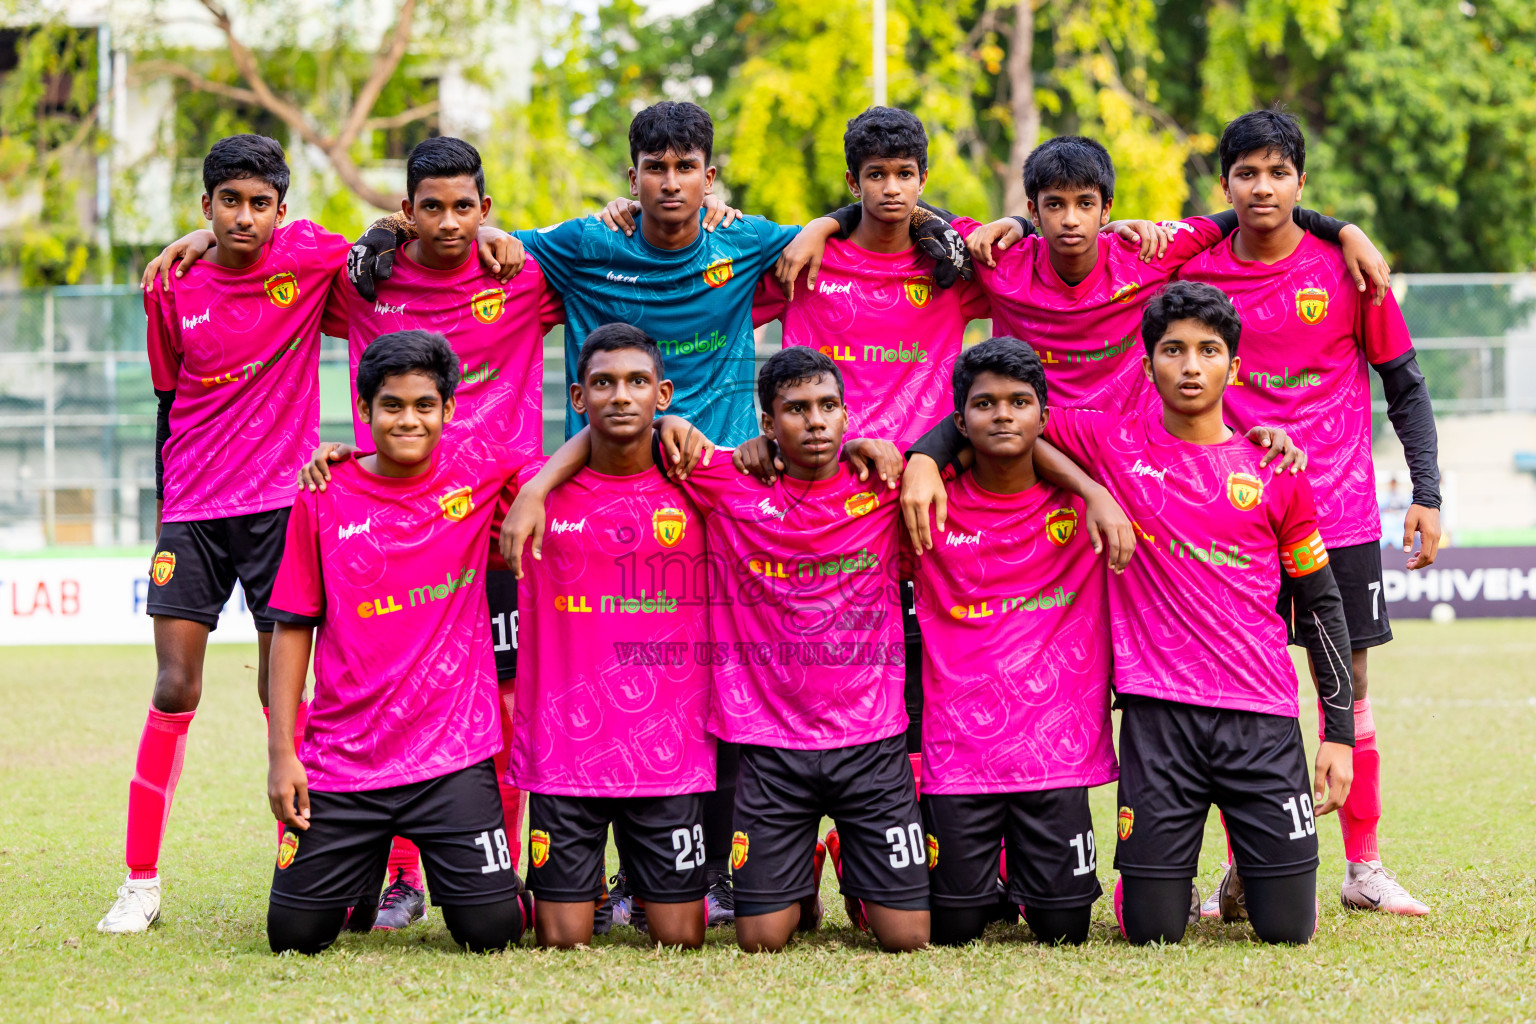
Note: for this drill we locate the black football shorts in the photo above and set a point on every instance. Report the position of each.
(454, 819)
(501, 601)
(660, 841)
(867, 790)
(1049, 839)
(196, 565)
(1176, 760)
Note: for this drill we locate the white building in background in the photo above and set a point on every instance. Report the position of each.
(134, 199)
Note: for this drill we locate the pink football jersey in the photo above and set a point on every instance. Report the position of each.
(804, 610)
(1088, 334)
(1307, 337)
(497, 331)
(1011, 601)
(1193, 616)
(241, 349)
(613, 674)
(392, 570)
(892, 332)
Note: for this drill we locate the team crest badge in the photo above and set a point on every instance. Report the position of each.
(669, 524)
(282, 289)
(933, 851)
(1125, 292)
(164, 567)
(287, 848)
(1126, 823)
(1244, 491)
(719, 272)
(1312, 304)
(919, 290)
(862, 504)
(1061, 526)
(538, 847)
(457, 504)
(738, 850)
(488, 305)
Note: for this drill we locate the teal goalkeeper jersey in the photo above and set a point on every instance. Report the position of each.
(695, 302)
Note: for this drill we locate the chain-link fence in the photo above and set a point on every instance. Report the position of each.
(77, 411)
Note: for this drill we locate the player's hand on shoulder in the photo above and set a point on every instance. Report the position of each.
(685, 446)
(866, 453)
(943, 244)
(1278, 445)
(180, 254)
(1109, 528)
(922, 489)
(1335, 773)
(501, 254)
(619, 215)
(316, 473)
(802, 254)
(1002, 233)
(524, 522)
(288, 792)
(758, 458)
(1152, 236)
(372, 257)
(719, 213)
(1426, 523)
(1365, 262)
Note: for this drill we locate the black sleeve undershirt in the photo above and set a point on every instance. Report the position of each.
(1413, 418)
(1322, 631)
(943, 444)
(162, 435)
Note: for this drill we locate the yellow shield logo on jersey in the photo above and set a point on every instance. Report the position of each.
(919, 290)
(862, 504)
(1061, 526)
(282, 289)
(933, 851)
(669, 524)
(457, 504)
(287, 848)
(164, 567)
(738, 850)
(1244, 491)
(1127, 822)
(538, 847)
(1125, 292)
(719, 272)
(488, 305)
(1312, 304)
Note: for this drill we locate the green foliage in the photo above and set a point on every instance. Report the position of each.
(48, 142)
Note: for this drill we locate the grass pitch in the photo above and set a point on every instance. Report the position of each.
(1456, 713)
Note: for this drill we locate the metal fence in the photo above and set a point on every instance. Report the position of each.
(77, 411)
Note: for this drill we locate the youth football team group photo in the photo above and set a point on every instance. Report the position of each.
(884, 577)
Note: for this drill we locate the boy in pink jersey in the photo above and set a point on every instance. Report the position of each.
(1207, 689)
(1016, 723)
(234, 351)
(615, 680)
(497, 331)
(1307, 337)
(389, 563)
(808, 678)
(874, 307)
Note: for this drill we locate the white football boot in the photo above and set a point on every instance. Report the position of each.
(1369, 886)
(137, 907)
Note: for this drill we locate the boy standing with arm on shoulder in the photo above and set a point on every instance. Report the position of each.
(389, 563)
(1307, 339)
(234, 350)
(439, 283)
